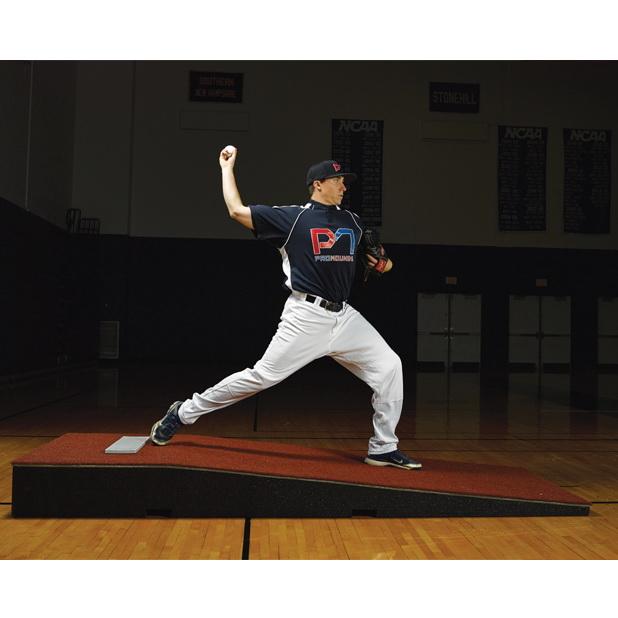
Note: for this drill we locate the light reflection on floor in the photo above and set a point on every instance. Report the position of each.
(320, 399)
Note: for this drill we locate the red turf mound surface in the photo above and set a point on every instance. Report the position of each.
(274, 459)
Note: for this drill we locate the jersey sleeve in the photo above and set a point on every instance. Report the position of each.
(273, 223)
(358, 225)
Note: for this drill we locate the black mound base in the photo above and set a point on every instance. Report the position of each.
(177, 492)
(200, 477)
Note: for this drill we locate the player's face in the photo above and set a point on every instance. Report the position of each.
(332, 190)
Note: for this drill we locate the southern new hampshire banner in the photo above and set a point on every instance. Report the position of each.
(522, 161)
(213, 87)
(357, 145)
(587, 180)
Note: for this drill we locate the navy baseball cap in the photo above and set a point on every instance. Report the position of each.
(327, 169)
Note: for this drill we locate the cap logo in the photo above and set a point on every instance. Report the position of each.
(336, 166)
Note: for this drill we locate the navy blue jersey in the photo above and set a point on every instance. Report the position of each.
(317, 244)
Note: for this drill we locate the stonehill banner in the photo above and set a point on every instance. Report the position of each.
(357, 145)
(587, 180)
(522, 165)
(454, 98)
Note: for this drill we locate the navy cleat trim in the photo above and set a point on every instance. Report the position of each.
(163, 430)
(395, 458)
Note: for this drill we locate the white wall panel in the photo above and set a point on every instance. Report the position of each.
(435, 191)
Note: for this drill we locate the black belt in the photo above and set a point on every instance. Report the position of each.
(325, 304)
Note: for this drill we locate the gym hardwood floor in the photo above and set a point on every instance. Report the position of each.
(445, 417)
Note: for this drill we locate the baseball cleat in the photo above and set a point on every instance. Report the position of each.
(394, 458)
(163, 431)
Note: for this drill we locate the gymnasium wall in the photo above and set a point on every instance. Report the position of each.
(48, 279)
(14, 99)
(37, 111)
(188, 284)
(48, 294)
(143, 168)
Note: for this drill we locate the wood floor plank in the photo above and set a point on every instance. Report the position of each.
(575, 449)
(11, 448)
(89, 539)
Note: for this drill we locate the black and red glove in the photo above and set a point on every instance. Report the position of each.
(370, 246)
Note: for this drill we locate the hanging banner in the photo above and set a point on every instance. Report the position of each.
(587, 180)
(522, 165)
(214, 87)
(454, 98)
(357, 145)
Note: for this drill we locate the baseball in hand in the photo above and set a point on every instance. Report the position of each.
(230, 150)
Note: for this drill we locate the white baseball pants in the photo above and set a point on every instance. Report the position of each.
(305, 333)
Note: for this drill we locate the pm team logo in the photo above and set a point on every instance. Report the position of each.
(323, 238)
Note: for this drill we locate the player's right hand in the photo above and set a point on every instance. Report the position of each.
(226, 159)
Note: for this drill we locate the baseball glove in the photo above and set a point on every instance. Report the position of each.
(370, 245)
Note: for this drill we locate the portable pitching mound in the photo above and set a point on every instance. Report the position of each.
(203, 476)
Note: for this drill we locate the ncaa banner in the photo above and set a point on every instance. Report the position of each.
(522, 170)
(357, 145)
(587, 180)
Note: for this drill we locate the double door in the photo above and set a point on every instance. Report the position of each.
(449, 332)
(608, 334)
(607, 359)
(540, 333)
